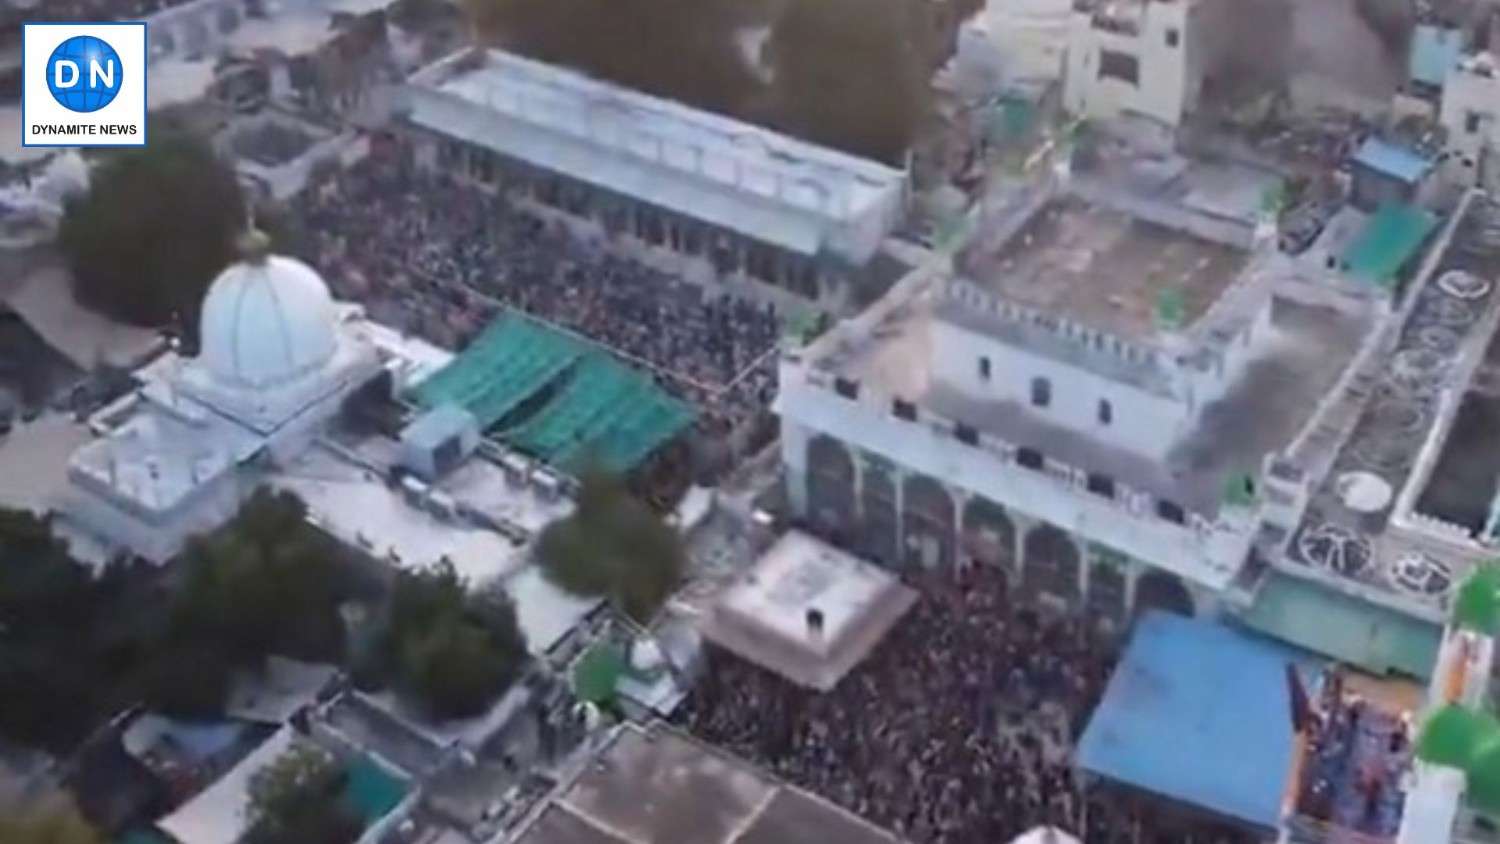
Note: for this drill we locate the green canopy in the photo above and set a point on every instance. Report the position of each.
(1388, 240)
(597, 674)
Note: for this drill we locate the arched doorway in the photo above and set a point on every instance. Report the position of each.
(1106, 596)
(989, 536)
(927, 522)
(830, 487)
(1160, 590)
(1051, 564)
(877, 531)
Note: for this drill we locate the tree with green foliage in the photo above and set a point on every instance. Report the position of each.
(451, 651)
(68, 640)
(155, 228)
(298, 799)
(614, 546)
(265, 583)
(49, 821)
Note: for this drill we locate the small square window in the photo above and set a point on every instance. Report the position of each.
(1106, 412)
(984, 368)
(1173, 37)
(1041, 392)
(1471, 122)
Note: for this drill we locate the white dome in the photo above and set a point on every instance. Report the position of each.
(267, 322)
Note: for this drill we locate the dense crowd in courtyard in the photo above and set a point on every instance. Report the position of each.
(440, 258)
(957, 729)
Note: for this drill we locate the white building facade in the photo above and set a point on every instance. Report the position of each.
(179, 456)
(707, 195)
(1470, 114)
(1138, 57)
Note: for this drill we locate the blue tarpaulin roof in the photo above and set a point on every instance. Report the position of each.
(1395, 161)
(1199, 713)
(1435, 50)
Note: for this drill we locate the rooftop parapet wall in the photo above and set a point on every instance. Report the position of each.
(1206, 549)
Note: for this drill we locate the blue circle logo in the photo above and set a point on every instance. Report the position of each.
(84, 73)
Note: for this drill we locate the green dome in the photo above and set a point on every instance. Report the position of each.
(1450, 735)
(1477, 606)
(1484, 775)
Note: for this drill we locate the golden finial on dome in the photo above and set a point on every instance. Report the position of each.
(254, 246)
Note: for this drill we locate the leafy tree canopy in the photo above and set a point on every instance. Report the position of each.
(265, 583)
(450, 650)
(157, 225)
(297, 799)
(68, 639)
(614, 546)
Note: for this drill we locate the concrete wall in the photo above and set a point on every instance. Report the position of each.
(1143, 422)
(1469, 93)
(1168, 84)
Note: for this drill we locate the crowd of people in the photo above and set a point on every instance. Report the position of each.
(440, 258)
(957, 729)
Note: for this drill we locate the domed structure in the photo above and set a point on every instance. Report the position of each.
(267, 321)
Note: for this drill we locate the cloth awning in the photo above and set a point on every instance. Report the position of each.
(1198, 712)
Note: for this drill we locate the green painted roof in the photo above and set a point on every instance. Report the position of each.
(372, 791)
(1389, 239)
(1353, 631)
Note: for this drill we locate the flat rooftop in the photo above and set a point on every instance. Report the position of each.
(1262, 412)
(1443, 349)
(658, 785)
(1108, 270)
(766, 617)
(1465, 483)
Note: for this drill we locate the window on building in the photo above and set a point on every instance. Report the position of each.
(1041, 392)
(984, 368)
(1030, 458)
(1173, 37)
(1472, 120)
(1102, 485)
(1106, 412)
(966, 434)
(1114, 64)
(1171, 511)
(846, 387)
(903, 409)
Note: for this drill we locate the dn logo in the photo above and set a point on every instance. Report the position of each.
(84, 74)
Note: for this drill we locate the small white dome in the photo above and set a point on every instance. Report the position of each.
(267, 322)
